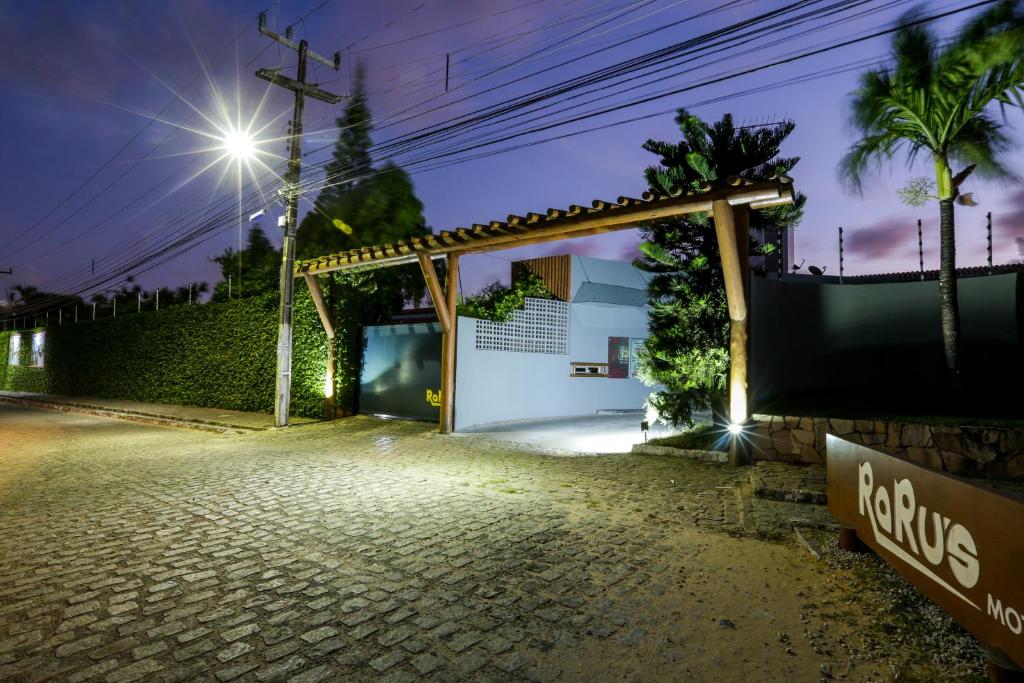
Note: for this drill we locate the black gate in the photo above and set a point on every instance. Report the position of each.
(402, 371)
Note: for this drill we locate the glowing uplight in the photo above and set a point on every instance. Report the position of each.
(239, 144)
(735, 428)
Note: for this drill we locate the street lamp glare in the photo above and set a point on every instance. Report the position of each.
(239, 145)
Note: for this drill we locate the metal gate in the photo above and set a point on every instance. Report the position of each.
(402, 371)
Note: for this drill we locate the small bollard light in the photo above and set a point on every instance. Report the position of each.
(644, 426)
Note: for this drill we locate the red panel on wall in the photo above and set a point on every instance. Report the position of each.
(618, 357)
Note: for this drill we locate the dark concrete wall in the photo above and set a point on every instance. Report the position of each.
(401, 370)
(816, 337)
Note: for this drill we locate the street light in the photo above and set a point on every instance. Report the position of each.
(239, 144)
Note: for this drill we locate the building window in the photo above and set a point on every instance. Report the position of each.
(14, 350)
(38, 342)
(589, 370)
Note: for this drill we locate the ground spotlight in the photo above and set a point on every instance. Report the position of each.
(735, 428)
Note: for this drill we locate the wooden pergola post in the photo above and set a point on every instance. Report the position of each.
(444, 305)
(733, 232)
(449, 344)
(317, 294)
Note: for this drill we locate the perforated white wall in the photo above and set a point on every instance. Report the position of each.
(541, 327)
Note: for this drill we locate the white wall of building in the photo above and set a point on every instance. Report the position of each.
(500, 386)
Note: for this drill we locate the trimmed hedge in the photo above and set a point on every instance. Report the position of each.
(214, 355)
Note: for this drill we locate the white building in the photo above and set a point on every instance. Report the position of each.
(571, 356)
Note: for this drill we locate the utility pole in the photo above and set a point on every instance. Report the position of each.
(282, 387)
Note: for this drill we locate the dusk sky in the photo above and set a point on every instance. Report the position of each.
(82, 80)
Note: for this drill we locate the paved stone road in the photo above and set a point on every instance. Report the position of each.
(365, 549)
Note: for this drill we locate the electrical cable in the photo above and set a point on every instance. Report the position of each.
(702, 84)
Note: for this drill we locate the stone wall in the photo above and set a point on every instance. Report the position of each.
(967, 451)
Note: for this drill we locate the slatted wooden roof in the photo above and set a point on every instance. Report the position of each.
(555, 224)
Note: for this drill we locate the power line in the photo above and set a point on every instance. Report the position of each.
(437, 163)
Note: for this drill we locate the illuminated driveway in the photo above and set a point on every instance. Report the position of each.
(366, 550)
(606, 433)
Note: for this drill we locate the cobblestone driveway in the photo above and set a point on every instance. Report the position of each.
(379, 550)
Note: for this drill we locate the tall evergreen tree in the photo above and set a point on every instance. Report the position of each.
(687, 350)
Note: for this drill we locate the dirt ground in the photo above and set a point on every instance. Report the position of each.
(370, 550)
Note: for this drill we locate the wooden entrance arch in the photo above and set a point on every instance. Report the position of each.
(729, 207)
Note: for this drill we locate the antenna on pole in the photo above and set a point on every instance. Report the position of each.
(988, 230)
(840, 255)
(920, 247)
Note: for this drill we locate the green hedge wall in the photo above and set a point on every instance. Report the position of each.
(215, 355)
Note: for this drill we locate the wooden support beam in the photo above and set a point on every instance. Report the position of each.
(318, 301)
(733, 269)
(577, 222)
(330, 402)
(434, 287)
(449, 343)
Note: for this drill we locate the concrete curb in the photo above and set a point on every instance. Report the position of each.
(129, 415)
(713, 457)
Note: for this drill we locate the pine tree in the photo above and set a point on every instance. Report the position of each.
(360, 205)
(687, 350)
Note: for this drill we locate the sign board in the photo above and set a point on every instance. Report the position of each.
(618, 357)
(14, 350)
(958, 542)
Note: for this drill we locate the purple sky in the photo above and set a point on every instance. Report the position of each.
(80, 79)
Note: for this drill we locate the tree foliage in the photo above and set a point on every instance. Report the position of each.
(261, 268)
(687, 350)
(498, 302)
(936, 99)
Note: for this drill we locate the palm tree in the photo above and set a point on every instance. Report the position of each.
(937, 99)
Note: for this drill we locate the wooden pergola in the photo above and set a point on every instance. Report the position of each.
(729, 207)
